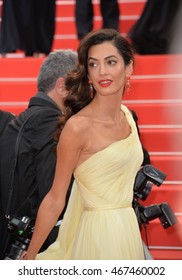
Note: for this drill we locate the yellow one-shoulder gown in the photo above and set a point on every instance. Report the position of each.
(100, 223)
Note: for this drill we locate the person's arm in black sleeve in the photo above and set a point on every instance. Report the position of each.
(146, 156)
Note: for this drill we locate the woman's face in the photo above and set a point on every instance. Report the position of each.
(106, 69)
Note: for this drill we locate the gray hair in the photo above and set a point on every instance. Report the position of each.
(57, 64)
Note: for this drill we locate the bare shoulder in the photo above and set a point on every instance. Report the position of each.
(75, 132)
(78, 124)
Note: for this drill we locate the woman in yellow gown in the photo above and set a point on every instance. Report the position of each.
(99, 144)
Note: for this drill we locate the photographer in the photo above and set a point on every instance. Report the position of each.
(35, 167)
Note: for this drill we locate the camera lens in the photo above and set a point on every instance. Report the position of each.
(15, 250)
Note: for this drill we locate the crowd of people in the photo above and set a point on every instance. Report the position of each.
(30, 25)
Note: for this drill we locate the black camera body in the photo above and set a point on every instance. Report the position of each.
(162, 211)
(21, 229)
(145, 178)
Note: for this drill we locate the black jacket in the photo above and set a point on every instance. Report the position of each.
(157, 27)
(5, 118)
(35, 167)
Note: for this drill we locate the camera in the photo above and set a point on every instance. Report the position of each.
(162, 211)
(145, 178)
(21, 230)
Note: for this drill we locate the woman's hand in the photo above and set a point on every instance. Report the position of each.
(26, 256)
(23, 256)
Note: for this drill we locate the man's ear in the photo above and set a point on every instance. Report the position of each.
(60, 83)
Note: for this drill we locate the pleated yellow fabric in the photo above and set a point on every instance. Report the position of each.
(100, 223)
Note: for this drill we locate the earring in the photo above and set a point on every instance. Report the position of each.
(91, 90)
(128, 86)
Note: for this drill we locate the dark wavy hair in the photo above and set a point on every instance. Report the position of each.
(76, 82)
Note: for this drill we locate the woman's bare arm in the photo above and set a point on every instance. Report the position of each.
(68, 151)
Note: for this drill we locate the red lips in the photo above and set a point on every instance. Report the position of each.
(105, 83)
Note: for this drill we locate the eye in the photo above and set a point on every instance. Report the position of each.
(112, 62)
(92, 64)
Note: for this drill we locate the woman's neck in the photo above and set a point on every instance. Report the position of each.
(106, 107)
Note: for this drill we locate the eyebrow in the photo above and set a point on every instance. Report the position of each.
(110, 56)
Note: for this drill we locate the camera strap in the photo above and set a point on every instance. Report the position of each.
(17, 144)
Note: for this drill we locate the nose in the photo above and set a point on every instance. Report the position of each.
(103, 69)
